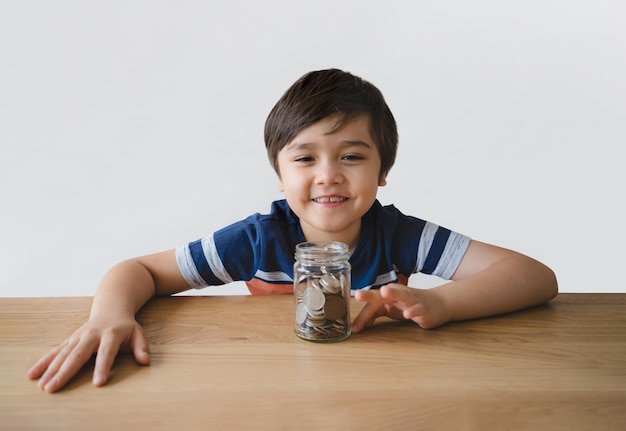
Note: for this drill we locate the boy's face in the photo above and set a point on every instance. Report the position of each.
(330, 180)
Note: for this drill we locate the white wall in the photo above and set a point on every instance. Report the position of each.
(128, 127)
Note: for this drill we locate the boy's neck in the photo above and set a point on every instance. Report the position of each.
(349, 237)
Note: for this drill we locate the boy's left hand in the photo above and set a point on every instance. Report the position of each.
(397, 301)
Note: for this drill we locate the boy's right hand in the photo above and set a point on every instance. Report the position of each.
(97, 336)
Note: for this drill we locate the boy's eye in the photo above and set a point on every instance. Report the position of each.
(353, 157)
(347, 157)
(303, 159)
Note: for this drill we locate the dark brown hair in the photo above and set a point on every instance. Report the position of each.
(328, 93)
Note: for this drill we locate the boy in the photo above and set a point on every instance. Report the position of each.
(332, 140)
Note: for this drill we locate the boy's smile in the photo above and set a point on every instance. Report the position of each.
(330, 178)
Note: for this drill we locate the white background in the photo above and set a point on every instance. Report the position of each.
(129, 127)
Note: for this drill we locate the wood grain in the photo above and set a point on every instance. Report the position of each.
(235, 363)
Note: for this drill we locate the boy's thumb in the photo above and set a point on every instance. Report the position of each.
(140, 347)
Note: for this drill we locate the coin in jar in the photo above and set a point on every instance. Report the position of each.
(313, 298)
(301, 313)
(335, 308)
(330, 283)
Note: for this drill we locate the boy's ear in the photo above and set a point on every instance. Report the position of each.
(383, 181)
(281, 187)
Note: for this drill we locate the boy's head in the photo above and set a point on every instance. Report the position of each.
(328, 93)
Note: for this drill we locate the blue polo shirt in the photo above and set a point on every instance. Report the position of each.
(260, 251)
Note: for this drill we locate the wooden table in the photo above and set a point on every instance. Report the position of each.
(235, 363)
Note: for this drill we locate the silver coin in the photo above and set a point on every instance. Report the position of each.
(301, 313)
(314, 299)
(315, 321)
(315, 283)
(331, 283)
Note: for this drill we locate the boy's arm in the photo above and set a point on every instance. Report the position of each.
(489, 280)
(112, 326)
(492, 280)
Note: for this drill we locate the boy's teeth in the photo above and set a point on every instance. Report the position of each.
(331, 199)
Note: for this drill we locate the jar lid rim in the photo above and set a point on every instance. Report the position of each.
(321, 249)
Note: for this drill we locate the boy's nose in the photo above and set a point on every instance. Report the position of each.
(328, 173)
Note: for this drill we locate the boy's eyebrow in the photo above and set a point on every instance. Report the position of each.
(295, 146)
(357, 143)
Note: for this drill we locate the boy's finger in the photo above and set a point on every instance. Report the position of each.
(71, 363)
(107, 351)
(363, 295)
(42, 364)
(372, 296)
(367, 316)
(56, 362)
(139, 345)
(401, 296)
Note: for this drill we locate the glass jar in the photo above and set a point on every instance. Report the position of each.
(321, 276)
